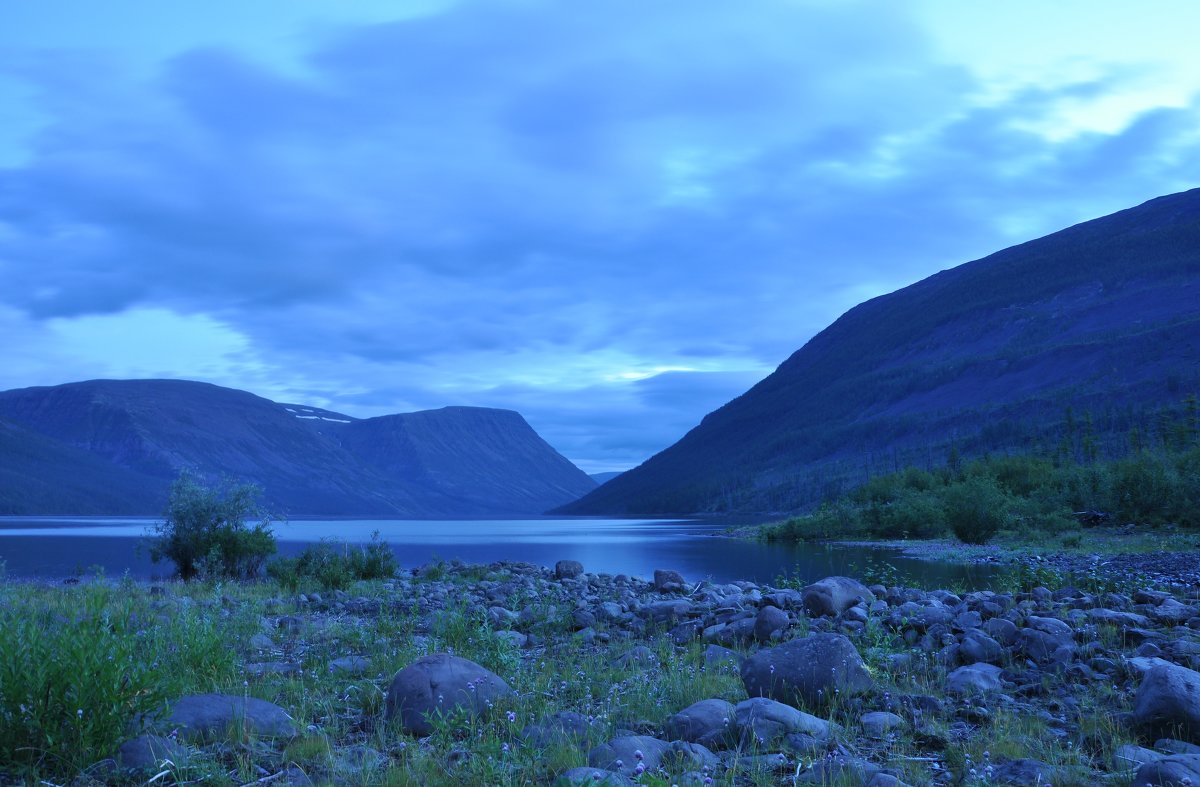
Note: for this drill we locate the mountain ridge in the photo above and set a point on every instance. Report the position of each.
(308, 460)
(1103, 314)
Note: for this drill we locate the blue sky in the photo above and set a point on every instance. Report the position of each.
(612, 216)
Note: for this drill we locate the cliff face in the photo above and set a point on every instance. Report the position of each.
(1102, 318)
(452, 462)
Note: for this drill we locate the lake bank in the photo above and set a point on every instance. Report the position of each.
(606, 673)
(60, 547)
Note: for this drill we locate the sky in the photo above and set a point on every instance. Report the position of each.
(612, 216)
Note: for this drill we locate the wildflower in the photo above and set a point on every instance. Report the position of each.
(504, 748)
(512, 716)
(637, 753)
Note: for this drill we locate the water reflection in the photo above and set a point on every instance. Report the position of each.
(60, 546)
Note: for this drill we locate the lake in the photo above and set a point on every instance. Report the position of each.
(58, 547)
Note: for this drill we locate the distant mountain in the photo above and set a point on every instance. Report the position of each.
(113, 446)
(604, 478)
(1102, 318)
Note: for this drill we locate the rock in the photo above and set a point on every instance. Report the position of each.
(878, 724)
(203, 717)
(272, 668)
(1172, 746)
(761, 721)
(577, 777)
(1168, 702)
(640, 656)
(834, 595)
(564, 727)
(808, 671)
(261, 642)
(974, 679)
(1033, 773)
(1120, 619)
(1129, 756)
(1176, 770)
(681, 755)
(624, 750)
(1040, 645)
(977, 646)
(707, 722)
(567, 569)
(149, 752)
(666, 580)
(437, 684)
(349, 665)
(839, 769)
(1143, 664)
(717, 656)
(769, 620)
(1003, 631)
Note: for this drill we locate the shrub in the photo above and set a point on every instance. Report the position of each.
(334, 566)
(976, 509)
(205, 532)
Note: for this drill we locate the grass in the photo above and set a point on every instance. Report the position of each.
(81, 666)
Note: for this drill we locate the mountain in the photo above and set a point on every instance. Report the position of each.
(1102, 318)
(113, 446)
(604, 478)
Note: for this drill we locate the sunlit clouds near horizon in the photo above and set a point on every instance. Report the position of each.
(611, 216)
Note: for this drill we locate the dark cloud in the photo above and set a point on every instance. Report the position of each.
(507, 203)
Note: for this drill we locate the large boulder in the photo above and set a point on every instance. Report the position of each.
(762, 721)
(624, 754)
(203, 717)
(150, 752)
(1168, 702)
(834, 595)
(707, 722)
(439, 684)
(1174, 771)
(977, 678)
(807, 671)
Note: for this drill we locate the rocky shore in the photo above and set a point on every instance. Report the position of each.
(519, 674)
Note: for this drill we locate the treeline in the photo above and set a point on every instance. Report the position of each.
(1156, 482)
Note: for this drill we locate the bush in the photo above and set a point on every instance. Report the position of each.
(976, 509)
(205, 532)
(334, 566)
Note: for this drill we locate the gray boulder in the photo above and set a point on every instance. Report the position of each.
(567, 569)
(977, 646)
(1168, 702)
(1173, 771)
(769, 620)
(807, 671)
(763, 721)
(622, 754)
(974, 679)
(665, 579)
(204, 717)
(834, 595)
(877, 724)
(563, 727)
(149, 752)
(437, 684)
(576, 777)
(707, 722)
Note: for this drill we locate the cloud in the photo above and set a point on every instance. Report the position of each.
(515, 203)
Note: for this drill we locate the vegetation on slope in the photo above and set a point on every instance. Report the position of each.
(1056, 492)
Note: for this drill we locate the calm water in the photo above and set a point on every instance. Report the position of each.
(57, 547)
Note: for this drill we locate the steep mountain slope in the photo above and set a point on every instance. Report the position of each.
(489, 462)
(1103, 317)
(44, 476)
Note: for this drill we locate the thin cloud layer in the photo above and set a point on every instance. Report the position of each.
(539, 205)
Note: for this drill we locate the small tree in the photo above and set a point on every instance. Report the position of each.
(204, 531)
